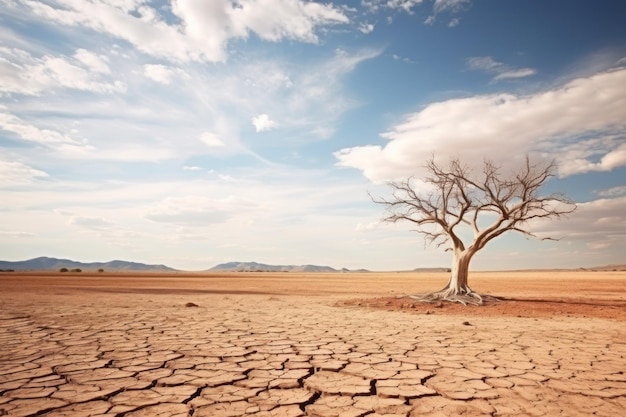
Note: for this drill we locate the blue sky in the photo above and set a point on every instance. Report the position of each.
(196, 132)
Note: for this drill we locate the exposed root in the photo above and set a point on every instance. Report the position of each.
(463, 296)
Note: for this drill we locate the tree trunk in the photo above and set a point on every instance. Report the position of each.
(457, 290)
(457, 285)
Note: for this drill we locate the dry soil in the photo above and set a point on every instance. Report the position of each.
(265, 344)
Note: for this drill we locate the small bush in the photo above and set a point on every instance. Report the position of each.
(100, 270)
(63, 270)
(76, 270)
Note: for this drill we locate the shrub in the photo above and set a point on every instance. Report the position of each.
(76, 270)
(63, 270)
(100, 270)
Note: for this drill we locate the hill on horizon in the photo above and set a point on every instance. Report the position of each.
(44, 263)
(260, 267)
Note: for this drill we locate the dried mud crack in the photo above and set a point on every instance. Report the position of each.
(254, 355)
(505, 306)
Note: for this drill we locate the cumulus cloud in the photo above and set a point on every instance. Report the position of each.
(504, 126)
(202, 29)
(500, 70)
(263, 123)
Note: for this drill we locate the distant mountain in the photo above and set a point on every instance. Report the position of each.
(433, 269)
(46, 264)
(258, 267)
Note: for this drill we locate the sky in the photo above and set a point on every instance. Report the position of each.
(191, 132)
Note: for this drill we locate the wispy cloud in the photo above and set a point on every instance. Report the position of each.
(500, 70)
(397, 57)
(13, 173)
(599, 223)
(448, 7)
(401, 5)
(613, 191)
(23, 73)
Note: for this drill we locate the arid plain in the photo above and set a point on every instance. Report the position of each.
(288, 344)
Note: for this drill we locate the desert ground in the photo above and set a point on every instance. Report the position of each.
(287, 344)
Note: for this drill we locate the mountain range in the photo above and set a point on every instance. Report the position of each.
(45, 264)
(55, 264)
(259, 267)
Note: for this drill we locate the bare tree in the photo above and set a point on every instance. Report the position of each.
(487, 202)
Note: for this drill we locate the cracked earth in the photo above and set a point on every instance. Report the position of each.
(163, 350)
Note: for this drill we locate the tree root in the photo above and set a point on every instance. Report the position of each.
(463, 296)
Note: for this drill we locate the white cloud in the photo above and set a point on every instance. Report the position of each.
(22, 73)
(401, 5)
(515, 73)
(454, 22)
(199, 210)
(263, 123)
(620, 190)
(204, 27)
(453, 6)
(17, 173)
(501, 70)
(485, 63)
(192, 168)
(162, 74)
(364, 227)
(28, 132)
(477, 127)
(92, 61)
(366, 27)
(91, 222)
(599, 155)
(599, 223)
(211, 140)
(64, 145)
(448, 6)
(15, 234)
(403, 59)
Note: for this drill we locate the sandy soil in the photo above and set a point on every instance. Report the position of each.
(264, 344)
(524, 293)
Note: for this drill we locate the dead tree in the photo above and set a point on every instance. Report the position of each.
(487, 202)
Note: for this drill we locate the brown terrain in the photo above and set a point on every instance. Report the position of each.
(289, 344)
